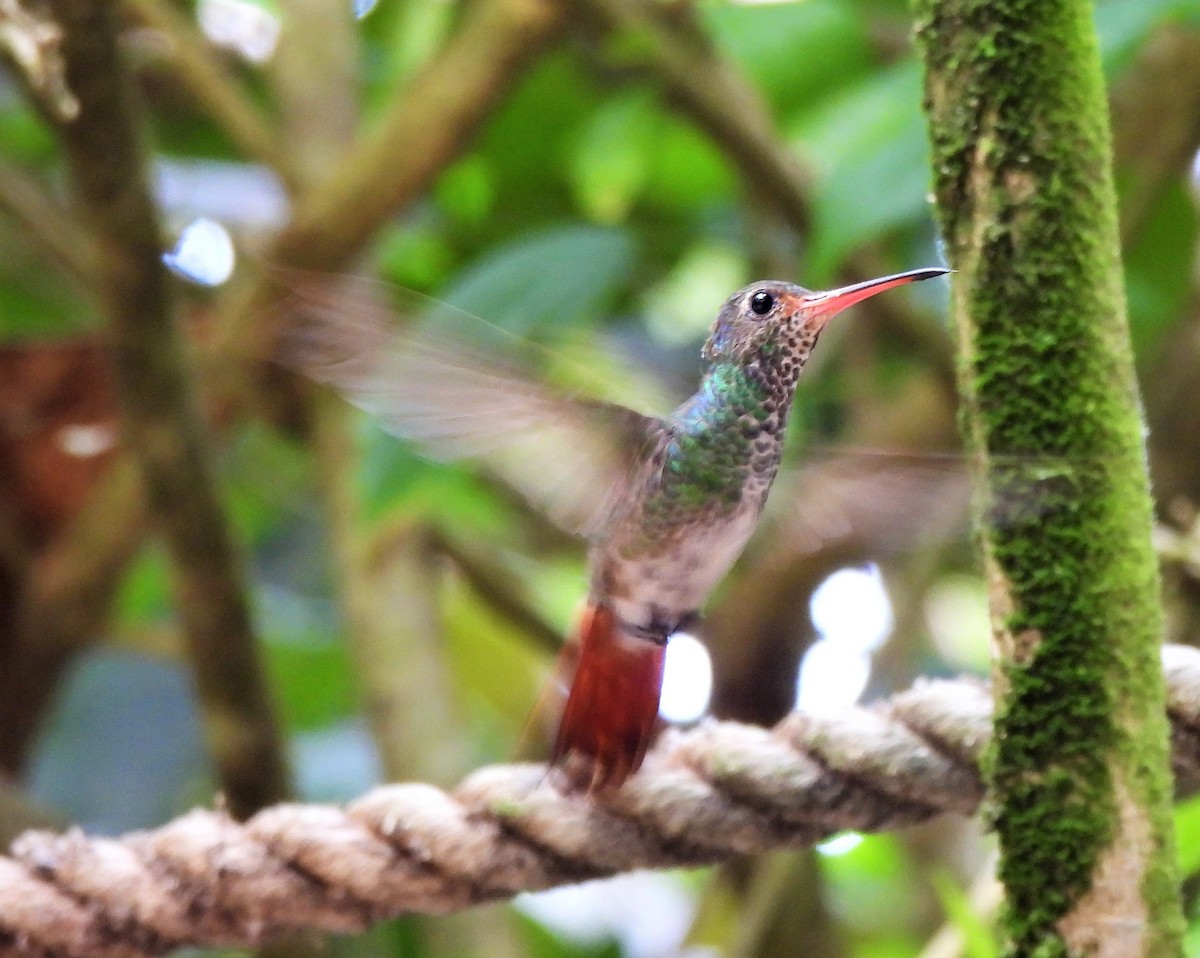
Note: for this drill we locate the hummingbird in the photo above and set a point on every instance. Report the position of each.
(667, 503)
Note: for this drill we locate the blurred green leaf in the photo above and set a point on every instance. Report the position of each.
(611, 160)
(978, 939)
(552, 279)
(869, 152)
(398, 39)
(26, 139)
(416, 256)
(1123, 25)
(266, 478)
(145, 592)
(872, 890)
(1187, 835)
(465, 191)
(797, 54)
(680, 308)
(36, 304)
(394, 478)
(312, 681)
(1158, 267)
(500, 672)
(687, 172)
(527, 141)
(1191, 941)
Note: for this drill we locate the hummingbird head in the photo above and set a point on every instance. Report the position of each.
(772, 315)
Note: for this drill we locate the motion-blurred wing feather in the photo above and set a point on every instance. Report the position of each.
(458, 397)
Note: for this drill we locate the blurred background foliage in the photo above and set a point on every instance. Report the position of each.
(639, 165)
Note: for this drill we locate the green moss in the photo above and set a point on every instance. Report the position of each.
(1020, 142)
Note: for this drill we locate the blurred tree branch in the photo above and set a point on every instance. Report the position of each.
(711, 90)
(201, 70)
(502, 592)
(1156, 121)
(161, 418)
(18, 814)
(32, 46)
(51, 227)
(428, 126)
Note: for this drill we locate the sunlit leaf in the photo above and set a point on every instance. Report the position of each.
(465, 191)
(500, 674)
(1187, 835)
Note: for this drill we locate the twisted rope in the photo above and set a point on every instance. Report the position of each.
(703, 796)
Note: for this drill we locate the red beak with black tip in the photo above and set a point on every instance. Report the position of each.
(823, 306)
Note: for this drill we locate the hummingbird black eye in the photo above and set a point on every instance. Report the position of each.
(762, 302)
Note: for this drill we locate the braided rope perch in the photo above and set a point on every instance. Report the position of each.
(703, 796)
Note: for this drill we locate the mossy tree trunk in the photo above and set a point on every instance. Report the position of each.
(1080, 785)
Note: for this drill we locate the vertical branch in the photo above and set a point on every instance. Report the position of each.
(161, 417)
(389, 592)
(67, 594)
(1079, 774)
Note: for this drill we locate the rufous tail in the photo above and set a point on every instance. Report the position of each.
(609, 717)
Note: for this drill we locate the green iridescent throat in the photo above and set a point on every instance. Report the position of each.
(709, 460)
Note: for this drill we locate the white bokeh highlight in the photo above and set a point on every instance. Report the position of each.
(832, 677)
(853, 616)
(647, 912)
(851, 607)
(840, 844)
(203, 253)
(245, 28)
(687, 680)
(244, 196)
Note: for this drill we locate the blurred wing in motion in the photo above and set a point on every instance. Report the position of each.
(881, 501)
(888, 501)
(450, 383)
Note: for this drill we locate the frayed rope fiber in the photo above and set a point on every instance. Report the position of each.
(704, 795)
